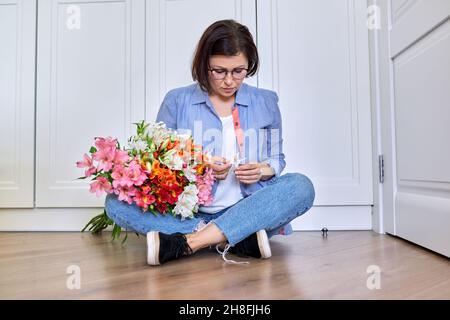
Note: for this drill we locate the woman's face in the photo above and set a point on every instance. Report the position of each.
(227, 86)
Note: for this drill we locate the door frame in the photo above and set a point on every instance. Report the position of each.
(383, 120)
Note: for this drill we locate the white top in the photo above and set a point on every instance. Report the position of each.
(228, 191)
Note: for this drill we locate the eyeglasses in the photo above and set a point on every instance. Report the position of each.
(220, 74)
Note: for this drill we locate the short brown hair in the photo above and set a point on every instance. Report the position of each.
(224, 37)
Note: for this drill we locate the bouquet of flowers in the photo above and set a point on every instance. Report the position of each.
(160, 170)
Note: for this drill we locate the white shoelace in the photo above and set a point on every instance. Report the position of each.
(224, 253)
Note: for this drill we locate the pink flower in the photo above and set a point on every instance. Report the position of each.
(99, 185)
(106, 153)
(204, 185)
(89, 172)
(126, 194)
(121, 157)
(105, 143)
(204, 195)
(87, 163)
(121, 177)
(136, 174)
(208, 177)
(105, 157)
(128, 176)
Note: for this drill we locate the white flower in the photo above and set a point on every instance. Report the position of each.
(189, 172)
(172, 160)
(187, 202)
(138, 145)
(184, 138)
(159, 133)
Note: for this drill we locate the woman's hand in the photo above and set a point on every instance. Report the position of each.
(220, 167)
(249, 173)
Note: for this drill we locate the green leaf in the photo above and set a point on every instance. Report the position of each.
(93, 149)
(98, 223)
(141, 126)
(93, 222)
(116, 232)
(125, 238)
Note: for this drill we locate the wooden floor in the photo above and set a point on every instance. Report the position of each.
(304, 266)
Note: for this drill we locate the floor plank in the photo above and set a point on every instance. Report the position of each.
(304, 266)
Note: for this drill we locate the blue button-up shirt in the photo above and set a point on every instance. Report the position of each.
(189, 110)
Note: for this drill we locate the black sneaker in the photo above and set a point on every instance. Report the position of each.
(163, 247)
(256, 245)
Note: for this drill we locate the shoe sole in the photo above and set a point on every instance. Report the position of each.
(153, 248)
(263, 243)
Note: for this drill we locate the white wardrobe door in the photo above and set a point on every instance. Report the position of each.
(173, 30)
(420, 51)
(17, 66)
(315, 55)
(90, 82)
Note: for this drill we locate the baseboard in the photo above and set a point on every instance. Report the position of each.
(74, 219)
(46, 219)
(335, 218)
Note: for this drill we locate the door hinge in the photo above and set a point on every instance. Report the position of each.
(381, 168)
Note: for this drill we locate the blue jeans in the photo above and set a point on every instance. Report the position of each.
(272, 207)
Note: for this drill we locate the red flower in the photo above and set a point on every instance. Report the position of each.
(162, 207)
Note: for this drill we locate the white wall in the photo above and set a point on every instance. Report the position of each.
(115, 69)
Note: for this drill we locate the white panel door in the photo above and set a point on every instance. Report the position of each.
(17, 68)
(315, 55)
(173, 30)
(420, 51)
(90, 82)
